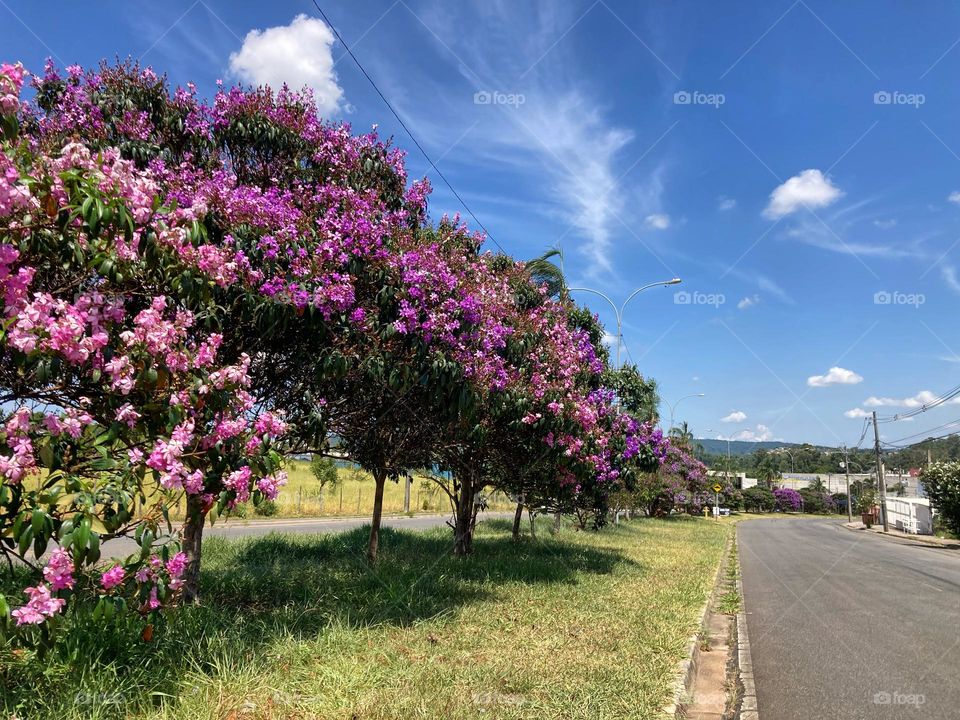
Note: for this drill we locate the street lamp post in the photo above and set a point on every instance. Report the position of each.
(726, 475)
(792, 465)
(846, 468)
(618, 312)
(672, 407)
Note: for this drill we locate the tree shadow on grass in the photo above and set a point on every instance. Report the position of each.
(257, 592)
(416, 577)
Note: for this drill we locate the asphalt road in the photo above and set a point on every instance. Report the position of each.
(846, 625)
(122, 547)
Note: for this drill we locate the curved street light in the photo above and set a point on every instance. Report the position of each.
(618, 312)
(672, 407)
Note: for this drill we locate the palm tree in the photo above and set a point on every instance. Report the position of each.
(543, 271)
(682, 434)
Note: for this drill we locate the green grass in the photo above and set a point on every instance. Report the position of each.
(572, 625)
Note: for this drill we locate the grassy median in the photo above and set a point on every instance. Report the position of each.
(572, 625)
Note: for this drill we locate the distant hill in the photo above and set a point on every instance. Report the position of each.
(739, 447)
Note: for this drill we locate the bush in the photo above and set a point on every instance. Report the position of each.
(942, 484)
(839, 502)
(758, 499)
(817, 501)
(267, 508)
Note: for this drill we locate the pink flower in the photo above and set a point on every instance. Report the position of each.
(271, 484)
(59, 570)
(177, 564)
(127, 414)
(112, 577)
(39, 607)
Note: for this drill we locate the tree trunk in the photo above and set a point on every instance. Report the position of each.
(533, 523)
(556, 523)
(517, 517)
(463, 529)
(380, 478)
(192, 545)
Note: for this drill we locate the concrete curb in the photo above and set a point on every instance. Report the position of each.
(906, 538)
(748, 701)
(687, 668)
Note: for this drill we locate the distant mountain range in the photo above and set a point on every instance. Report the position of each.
(739, 447)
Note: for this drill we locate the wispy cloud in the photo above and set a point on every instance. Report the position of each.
(949, 275)
(658, 221)
(560, 137)
(725, 203)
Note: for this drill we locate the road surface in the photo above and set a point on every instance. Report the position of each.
(121, 547)
(846, 625)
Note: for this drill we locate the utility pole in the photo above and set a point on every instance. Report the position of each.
(880, 478)
(846, 467)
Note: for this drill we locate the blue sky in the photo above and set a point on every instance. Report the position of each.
(794, 163)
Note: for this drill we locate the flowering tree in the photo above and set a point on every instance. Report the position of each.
(788, 500)
(119, 398)
(191, 289)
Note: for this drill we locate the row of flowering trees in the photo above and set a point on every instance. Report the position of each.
(192, 290)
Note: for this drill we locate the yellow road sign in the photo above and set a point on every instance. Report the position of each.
(717, 487)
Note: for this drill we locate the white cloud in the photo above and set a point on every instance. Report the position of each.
(748, 302)
(835, 376)
(949, 275)
(811, 189)
(924, 397)
(735, 416)
(760, 434)
(954, 197)
(725, 203)
(857, 413)
(885, 224)
(299, 54)
(658, 221)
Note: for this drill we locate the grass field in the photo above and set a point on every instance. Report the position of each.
(353, 495)
(572, 625)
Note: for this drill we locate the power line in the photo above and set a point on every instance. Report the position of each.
(404, 126)
(866, 426)
(936, 402)
(925, 434)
